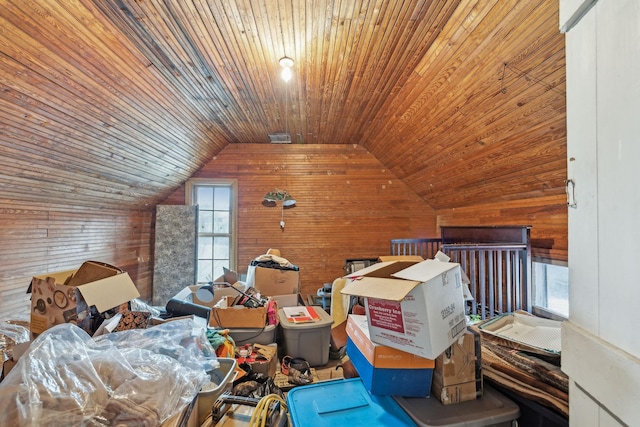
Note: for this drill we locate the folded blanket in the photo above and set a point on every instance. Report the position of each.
(273, 261)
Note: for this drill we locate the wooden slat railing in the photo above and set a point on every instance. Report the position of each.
(497, 261)
(498, 277)
(425, 247)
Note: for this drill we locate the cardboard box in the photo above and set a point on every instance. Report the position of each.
(378, 355)
(273, 281)
(386, 371)
(455, 393)
(458, 372)
(16, 351)
(237, 316)
(55, 301)
(461, 361)
(289, 300)
(415, 307)
(389, 381)
(209, 295)
(223, 314)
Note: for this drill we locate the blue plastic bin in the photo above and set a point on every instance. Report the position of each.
(343, 403)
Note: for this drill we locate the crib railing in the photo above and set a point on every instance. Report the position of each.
(498, 277)
(426, 247)
(499, 271)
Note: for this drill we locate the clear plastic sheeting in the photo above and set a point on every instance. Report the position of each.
(12, 333)
(137, 304)
(137, 377)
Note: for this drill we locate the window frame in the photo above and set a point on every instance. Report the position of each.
(540, 310)
(190, 187)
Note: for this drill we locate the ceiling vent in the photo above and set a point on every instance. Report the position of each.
(280, 138)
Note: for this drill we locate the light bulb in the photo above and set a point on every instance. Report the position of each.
(286, 74)
(286, 63)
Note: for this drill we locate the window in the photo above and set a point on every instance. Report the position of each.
(217, 202)
(551, 288)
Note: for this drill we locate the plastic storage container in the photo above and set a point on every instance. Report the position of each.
(491, 409)
(309, 341)
(264, 336)
(221, 378)
(343, 403)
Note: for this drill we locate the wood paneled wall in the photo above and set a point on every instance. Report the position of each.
(38, 238)
(547, 217)
(348, 205)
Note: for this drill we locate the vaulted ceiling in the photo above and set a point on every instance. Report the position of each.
(121, 101)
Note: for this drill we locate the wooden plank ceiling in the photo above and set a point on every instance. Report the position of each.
(119, 101)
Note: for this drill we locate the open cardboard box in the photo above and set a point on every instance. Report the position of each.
(417, 307)
(62, 297)
(228, 284)
(281, 285)
(224, 315)
(209, 296)
(272, 281)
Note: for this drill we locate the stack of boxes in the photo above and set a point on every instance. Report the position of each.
(458, 372)
(413, 353)
(386, 371)
(413, 340)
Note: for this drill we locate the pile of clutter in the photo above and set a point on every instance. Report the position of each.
(91, 352)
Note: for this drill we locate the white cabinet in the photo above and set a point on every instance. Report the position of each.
(601, 342)
(582, 172)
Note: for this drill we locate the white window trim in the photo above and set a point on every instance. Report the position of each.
(188, 192)
(542, 311)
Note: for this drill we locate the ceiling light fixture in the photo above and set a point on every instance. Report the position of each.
(286, 63)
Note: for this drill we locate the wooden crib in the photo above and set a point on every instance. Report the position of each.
(497, 260)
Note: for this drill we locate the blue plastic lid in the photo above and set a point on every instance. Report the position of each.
(343, 402)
